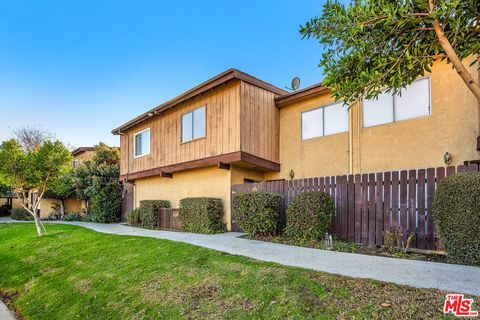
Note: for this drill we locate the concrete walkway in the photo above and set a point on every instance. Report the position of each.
(421, 274)
(5, 314)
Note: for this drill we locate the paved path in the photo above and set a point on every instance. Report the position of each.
(5, 314)
(421, 274)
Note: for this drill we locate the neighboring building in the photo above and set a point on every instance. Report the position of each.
(235, 128)
(81, 154)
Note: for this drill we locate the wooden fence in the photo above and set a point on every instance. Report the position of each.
(168, 218)
(367, 205)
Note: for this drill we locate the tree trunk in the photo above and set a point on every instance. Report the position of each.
(38, 225)
(62, 209)
(452, 55)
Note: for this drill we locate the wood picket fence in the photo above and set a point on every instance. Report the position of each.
(369, 204)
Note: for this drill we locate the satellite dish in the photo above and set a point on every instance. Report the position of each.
(295, 84)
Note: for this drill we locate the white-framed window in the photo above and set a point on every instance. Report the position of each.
(324, 121)
(194, 124)
(141, 143)
(413, 102)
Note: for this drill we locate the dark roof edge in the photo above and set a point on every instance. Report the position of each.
(204, 86)
(306, 92)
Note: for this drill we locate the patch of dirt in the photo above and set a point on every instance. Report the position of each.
(349, 295)
(155, 290)
(8, 298)
(83, 285)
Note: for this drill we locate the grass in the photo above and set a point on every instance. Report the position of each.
(78, 273)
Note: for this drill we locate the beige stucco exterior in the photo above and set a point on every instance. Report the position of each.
(204, 182)
(452, 126)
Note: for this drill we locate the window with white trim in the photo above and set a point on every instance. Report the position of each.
(413, 102)
(193, 124)
(324, 121)
(141, 143)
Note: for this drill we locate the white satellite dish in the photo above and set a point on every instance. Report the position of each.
(295, 84)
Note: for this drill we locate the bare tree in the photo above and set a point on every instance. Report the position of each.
(31, 138)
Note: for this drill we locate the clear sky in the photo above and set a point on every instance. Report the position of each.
(82, 68)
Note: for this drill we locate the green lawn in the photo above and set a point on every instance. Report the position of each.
(76, 273)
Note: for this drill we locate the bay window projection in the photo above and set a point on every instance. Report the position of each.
(324, 121)
(413, 102)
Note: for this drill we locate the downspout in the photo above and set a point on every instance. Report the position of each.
(350, 140)
(359, 130)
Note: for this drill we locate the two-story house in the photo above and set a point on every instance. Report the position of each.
(235, 128)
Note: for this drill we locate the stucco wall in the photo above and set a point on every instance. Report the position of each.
(416, 143)
(205, 182)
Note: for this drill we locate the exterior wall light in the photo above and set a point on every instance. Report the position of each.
(291, 174)
(447, 158)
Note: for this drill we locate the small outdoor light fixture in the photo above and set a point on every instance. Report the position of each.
(447, 158)
(291, 174)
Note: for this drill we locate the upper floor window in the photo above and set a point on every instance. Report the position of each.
(193, 124)
(324, 121)
(413, 103)
(141, 143)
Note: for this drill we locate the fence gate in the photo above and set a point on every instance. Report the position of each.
(369, 204)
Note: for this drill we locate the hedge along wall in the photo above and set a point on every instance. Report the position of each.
(202, 215)
(149, 211)
(368, 204)
(457, 215)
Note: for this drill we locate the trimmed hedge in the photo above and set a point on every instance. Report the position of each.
(309, 216)
(149, 210)
(134, 218)
(202, 215)
(5, 210)
(72, 216)
(257, 213)
(457, 216)
(21, 214)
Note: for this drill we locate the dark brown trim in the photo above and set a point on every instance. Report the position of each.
(478, 143)
(82, 149)
(222, 78)
(260, 162)
(206, 162)
(224, 166)
(167, 175)
(316, 89)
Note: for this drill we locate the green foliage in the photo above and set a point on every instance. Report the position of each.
(96, 182)
(63, 187)
(257, 213)
(202, 215)
(309, 216)
(71, 216)
(22, 214)
(457, 216)
(133, 218)
(149, 211)
(5, 210)
(375, 44)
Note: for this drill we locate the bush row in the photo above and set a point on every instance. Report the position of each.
(5, 210)
(309, 214)
(146, 216)
(199, 215)
(21, 214)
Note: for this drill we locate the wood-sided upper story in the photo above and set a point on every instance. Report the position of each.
(229, 119)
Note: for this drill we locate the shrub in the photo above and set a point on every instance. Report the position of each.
(21, 214)
(309, 216)
(5, 210)
(52, 216)
(202, 215)
(257, 213)
(457, 216)
(149, 210)
(72, 216)
(134, 218)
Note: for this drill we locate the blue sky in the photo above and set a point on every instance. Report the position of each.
(82, 68)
